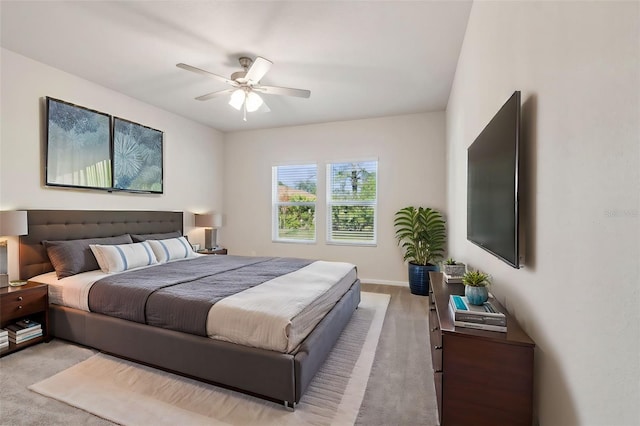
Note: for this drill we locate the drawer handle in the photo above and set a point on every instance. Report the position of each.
(438, 371)
(436, 347)
(433, 308)
(20, 307)
(434, 329)
(19, 297)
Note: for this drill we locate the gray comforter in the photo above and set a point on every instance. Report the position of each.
(179, 295)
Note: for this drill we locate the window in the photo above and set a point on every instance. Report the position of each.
(352, 199)
(294, 203)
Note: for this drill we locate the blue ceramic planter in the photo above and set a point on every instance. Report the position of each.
(419, 278)
(476, 295)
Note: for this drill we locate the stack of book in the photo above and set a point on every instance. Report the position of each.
(23, 331)
(4, 339)
(483, 317)
(449, 279)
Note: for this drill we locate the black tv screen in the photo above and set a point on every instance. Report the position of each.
(492, 185)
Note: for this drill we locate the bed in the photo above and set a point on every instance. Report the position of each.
(276, 374)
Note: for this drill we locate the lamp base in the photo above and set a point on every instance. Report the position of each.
(210, 238)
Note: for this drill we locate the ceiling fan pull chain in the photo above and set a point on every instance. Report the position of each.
(245, 110)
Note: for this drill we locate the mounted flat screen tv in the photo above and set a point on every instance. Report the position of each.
(493, 186)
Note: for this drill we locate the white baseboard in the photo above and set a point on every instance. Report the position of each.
(384, 282)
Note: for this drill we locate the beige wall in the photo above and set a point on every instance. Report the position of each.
(193, 153)
(410, 150)
(577, 65)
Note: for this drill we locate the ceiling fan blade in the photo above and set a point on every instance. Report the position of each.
(285, 91)
(264, 107)
(215, 94)
(258, 69)
(206, 74)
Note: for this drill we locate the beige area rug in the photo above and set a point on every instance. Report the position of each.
(131, 394)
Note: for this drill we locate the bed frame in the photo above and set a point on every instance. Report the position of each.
(267, 374)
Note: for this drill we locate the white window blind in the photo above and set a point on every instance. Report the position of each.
(352, 202)
(294, 203)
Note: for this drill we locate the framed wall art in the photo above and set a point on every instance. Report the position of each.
(94, 150)
(137, 157)
(78, 148)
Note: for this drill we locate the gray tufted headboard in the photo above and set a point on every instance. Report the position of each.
(79, 224)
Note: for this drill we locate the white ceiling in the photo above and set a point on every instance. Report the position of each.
(359, 58)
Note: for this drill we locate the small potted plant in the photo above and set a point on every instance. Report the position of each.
(475, 287)
(453, 268)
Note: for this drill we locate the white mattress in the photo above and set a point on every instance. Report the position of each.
(276, 315)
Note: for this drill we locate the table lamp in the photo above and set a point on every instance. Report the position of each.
(209, 221)
(12, 223)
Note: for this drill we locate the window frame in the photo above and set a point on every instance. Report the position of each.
(276, 204)
(365, 203)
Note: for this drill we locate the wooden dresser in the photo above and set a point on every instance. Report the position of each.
(481, 377)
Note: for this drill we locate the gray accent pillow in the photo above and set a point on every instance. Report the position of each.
(138, 238)
(74, 256)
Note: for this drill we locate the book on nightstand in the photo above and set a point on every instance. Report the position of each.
(484, 317)
(20, 338)
(4, 339)
(22, 327)
(27, 323)
(23, 330)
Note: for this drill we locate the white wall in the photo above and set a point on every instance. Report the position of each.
(577, 65)
(411, 171)
(193, 153)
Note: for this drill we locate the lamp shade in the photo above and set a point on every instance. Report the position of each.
(209, 220)
(13, 223)
(254, 101)
(237, 99)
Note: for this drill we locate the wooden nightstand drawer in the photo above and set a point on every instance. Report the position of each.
(30, 301)
(20, 304)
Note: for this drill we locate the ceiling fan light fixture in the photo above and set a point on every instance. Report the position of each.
(245, 85)
(237, 99)
(254, 101)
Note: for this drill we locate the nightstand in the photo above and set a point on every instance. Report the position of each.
(218, 250)
(28, 301)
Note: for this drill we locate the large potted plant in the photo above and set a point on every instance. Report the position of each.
(422, 235)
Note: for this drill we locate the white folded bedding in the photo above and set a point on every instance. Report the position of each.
(72, 291)
(276, 315)
(280, 313)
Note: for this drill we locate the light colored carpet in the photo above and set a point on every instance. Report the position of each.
(131, 394)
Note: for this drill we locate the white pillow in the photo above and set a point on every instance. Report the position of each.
(122, 257)
(171, 249)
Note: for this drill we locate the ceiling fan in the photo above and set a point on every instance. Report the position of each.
(246, 87)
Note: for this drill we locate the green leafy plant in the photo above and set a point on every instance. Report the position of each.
(476, 279)
(421, 234)
(450, 261)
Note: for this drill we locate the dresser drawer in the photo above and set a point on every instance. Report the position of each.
(24, 303)
(435, 341)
